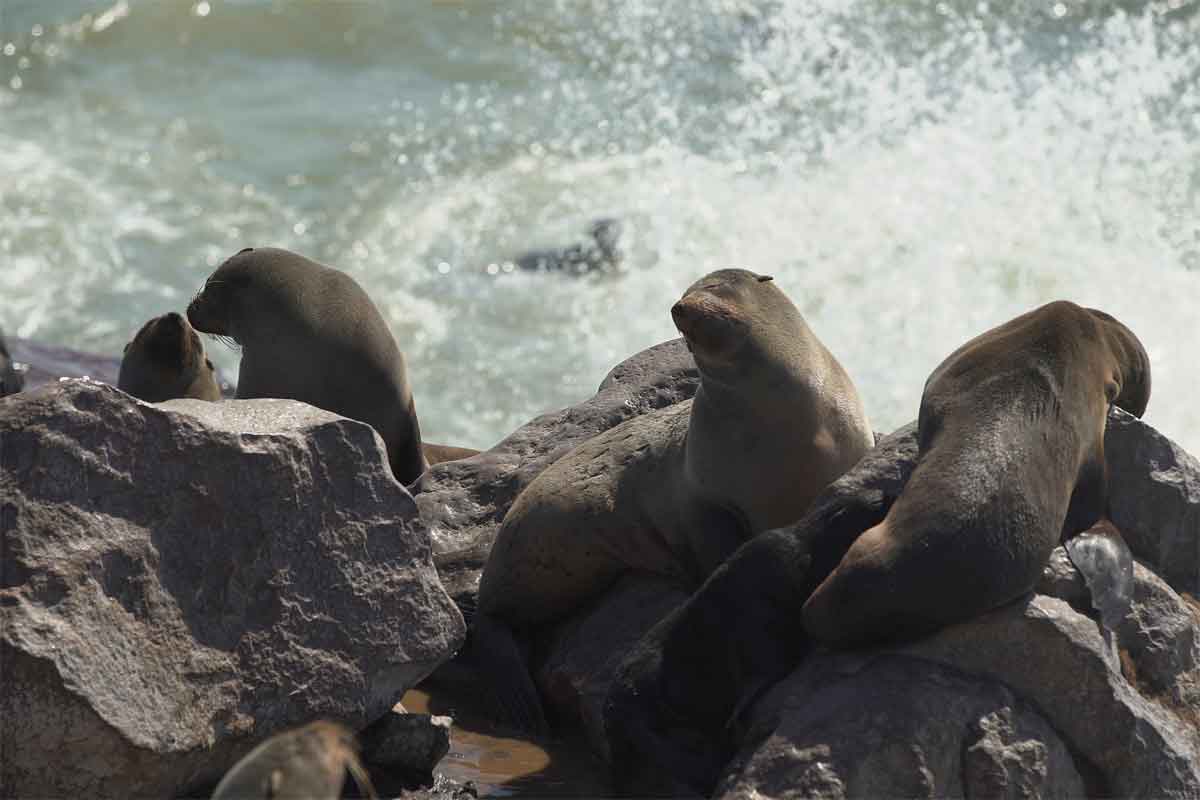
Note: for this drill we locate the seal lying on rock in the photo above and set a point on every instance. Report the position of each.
(309, 332)
(165, 361)
(307, 763)
(1010, 461)
(673, 492)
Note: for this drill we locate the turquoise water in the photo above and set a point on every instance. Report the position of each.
(912, 173)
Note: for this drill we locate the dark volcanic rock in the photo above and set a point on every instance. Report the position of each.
(1154, 488)
(11, 380)
(890, 726)
(463, 502)
(181, 581)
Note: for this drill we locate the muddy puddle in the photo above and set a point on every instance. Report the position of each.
(503, 765)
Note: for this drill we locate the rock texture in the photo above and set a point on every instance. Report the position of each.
(893, 726)
(401, 749)
(463, 502)
(180, 581)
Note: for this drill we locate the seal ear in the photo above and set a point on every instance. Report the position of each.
(765, 278)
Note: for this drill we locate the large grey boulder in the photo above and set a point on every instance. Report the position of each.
(181, 581)
(845, 725)
(463, 502)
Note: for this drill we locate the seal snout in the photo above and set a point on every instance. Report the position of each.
(707, 322)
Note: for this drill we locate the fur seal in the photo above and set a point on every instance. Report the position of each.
(601, 253)
(166, 360)
(309, 332)
(1008, 461)
(11, 381)
(675, 491)
(307, 763)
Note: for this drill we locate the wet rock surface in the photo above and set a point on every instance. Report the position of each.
(181, 581)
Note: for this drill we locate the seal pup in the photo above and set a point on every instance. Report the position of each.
(674, 491)
(11, 380)
(1008, 461)
(307, 763)
(166, 360)
(309, 332)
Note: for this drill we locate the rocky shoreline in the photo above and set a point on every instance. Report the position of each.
(183, 580)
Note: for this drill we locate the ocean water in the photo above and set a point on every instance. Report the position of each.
(912, 173)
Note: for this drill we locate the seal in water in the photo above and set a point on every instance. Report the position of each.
(601, 253)
(308, 763)
(309, 332)
(1009, 461)
(674, 491)
(166, 360)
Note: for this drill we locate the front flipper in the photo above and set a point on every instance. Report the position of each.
(1103, 558)
(513, 695)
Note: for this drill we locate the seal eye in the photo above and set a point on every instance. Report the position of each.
(765, 278)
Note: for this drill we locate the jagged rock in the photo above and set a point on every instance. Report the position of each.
(409, 742)
(463, 502)
(181, 581)
(890, 726)
(1154, 488)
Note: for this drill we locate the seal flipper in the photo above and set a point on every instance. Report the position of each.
(1106, 563)
(513, 694)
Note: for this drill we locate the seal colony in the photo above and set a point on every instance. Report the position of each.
(1010, 462)
(675, 491)
(734, 495)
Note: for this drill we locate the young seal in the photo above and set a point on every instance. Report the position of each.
(675, 491)
(308, 763)
(1009, 461)
(166, 360)
(309, 332)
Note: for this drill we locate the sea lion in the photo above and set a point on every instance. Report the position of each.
(11, 381)
(601, 253)
(166, 360)
(307, 763)
(674, 491)
(309, 332)
(1008, 461)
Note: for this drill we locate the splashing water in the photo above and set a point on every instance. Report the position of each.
(911, 173)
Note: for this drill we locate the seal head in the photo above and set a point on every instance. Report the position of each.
(166, 360)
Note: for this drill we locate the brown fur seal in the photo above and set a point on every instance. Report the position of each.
(1008, 461)
(309, 332)
(1011, 462)
(675, 491)
(308, 763)
(166, 360)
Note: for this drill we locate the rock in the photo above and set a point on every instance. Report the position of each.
(44, 364)
(889, 726)
(180, 581)
(601, 252)
(463, 502)
(1058, 660)
(408, 743)
(1154, 489)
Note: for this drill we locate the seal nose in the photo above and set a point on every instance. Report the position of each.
(685, 315)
